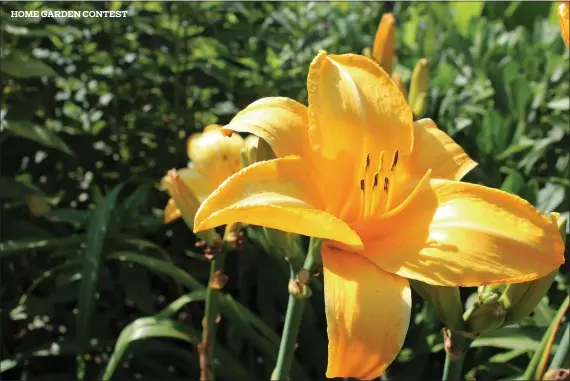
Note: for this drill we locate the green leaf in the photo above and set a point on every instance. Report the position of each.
(96, 233)
(42, 135)
(512, 337)
(136, 283)
(21, 66)
(464, 12)
(153, 327)
(10, 188)
(175, 306)
(9, 248)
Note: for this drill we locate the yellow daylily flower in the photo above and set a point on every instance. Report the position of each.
(384, 194)
(214, 157)
(564, 19)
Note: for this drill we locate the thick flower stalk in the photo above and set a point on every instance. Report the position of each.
(564, 19)
(384, 194)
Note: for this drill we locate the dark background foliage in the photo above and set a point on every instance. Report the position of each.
(96, 110)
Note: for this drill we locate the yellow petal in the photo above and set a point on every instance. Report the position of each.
(435, 150)
(564, 19)
(281, 122)
(368, 313)
(278, 194)
(171, 211)
(398, 81)
(355, 109)
(383, 49)
(461, 234)
(215, 155)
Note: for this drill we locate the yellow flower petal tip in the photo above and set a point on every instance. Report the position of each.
(383, 49)
(564, 19)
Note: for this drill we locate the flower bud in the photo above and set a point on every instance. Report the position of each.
(564, 20)
(367, 52)
(486, 315)
(383, 49)
(418, 88)
(446, 302)
(187, 204)
(520, 299)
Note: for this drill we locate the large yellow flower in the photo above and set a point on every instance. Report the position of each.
(383, 193)
(213, 158)
(564, 19)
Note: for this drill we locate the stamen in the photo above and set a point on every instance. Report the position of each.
(381, 161)
(362, 198)
(386, 183)
(375, 180)
(367, 161)
(395, 161)
(362, 185)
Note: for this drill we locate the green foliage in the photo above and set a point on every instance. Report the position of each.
(96, 110)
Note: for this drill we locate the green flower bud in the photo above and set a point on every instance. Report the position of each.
(255, 149)
(446, 302)
(520, 299)
(417, 97)
(485, 315)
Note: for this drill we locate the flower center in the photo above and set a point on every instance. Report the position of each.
(376, 183)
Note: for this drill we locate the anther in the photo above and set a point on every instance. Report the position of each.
(381, 161)
(395, 161)
(367, 161)
(375, 181)
(362, 185)
(386, 182)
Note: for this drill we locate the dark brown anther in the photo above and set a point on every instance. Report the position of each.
(362, 185)
(386, 183)
(367, 161)
(395, 161)
(375, 180)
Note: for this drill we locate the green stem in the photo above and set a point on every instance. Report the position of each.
(561, 354)
(211, 314)
(293, 317)
(455, 350)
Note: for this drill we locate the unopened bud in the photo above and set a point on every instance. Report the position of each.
(418, 88)
(520, 299)
(187, 204)
(564, 20)
(485, 316)
(398, 81)
(367, 52)
(446, 302)
(383, 49)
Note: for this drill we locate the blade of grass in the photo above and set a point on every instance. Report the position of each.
(96, 232)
